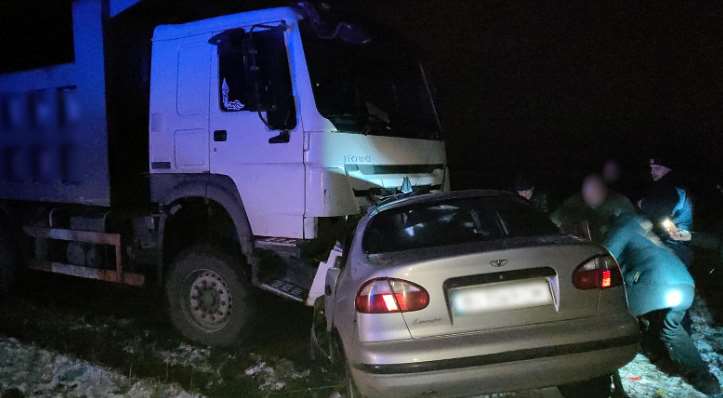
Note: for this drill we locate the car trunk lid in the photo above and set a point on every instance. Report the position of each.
(503, 288)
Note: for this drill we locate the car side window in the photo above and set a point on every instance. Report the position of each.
(350, 229)
(521, 220)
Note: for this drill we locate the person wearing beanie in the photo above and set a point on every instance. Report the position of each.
(669, 206)
(525, 188)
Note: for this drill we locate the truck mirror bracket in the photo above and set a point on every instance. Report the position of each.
(282, 138)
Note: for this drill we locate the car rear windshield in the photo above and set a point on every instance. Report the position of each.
(454, 221)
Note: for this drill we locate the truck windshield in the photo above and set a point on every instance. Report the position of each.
(375, 88)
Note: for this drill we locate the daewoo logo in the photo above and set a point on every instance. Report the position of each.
(499, 263)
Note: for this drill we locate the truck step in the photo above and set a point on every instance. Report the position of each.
(285, 247)
(285, 289)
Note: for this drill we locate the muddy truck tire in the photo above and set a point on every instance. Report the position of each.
(8, 264)
(210, 301)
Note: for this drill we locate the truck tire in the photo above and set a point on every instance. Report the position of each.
(209, 300)
(8, 264)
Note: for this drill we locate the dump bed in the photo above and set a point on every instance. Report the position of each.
(77, 132)
(53, 124)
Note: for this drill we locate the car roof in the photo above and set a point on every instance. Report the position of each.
(439, 196)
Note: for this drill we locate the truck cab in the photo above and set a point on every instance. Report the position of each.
(305, 126)
(211, 157)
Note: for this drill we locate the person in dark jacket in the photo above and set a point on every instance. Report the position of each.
(592, 208)
(612, 174)
(660, 290)
(525, 188)
(669, 206)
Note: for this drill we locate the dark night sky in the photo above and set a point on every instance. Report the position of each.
(563, 84)
(528, 84)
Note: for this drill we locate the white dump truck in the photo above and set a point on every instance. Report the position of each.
(208, 158)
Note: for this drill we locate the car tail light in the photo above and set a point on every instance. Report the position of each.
(390, 295)
(600, 272)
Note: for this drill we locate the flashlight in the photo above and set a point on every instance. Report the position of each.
(668, 225)
(674, 232)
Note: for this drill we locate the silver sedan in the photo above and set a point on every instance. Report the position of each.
(472, 292)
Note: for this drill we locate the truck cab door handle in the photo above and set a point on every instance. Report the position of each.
(220, 135)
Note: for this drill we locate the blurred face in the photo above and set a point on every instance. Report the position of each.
(527, 193)
(658, 171)
(611, 171)
(594, 192)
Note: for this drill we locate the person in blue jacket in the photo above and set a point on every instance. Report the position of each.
(669, 206)
(660, 290)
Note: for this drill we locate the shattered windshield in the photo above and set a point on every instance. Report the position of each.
(453, 222)
(374, 88)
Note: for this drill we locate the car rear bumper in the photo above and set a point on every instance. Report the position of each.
(496, 361)
(492, 377)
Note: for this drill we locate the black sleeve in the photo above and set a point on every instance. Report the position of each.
(659, 203)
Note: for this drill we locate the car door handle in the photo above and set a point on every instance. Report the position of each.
(220, 135)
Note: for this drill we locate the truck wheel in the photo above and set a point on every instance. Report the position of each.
(210, 301)
(8, 264)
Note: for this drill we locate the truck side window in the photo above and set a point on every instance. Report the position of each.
(232, 75)
(254, 75)
(274, 78)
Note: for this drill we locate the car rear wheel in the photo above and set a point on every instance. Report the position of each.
(350, 390)
(346, 381)
(209, 300)
(599, 387)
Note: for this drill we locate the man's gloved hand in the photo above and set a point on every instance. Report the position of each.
(681, 235)
(674, 233)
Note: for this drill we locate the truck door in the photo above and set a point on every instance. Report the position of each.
(182, 146)
(256, 138)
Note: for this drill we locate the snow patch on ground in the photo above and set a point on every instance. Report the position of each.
(83, 324)
(189, 356)
(707, 337)
(41, 373)
(642, 379)
(273, 374)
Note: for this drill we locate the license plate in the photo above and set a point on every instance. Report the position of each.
(500, 296)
